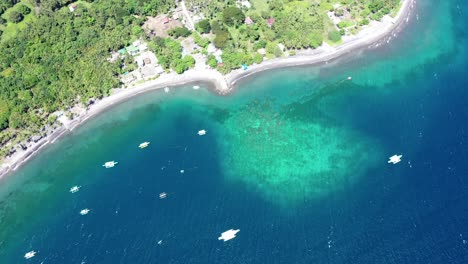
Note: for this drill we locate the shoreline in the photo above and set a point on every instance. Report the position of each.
(223, 84)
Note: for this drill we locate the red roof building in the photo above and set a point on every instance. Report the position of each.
(165, 20)
(270, 21)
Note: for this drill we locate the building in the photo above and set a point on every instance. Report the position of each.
(245, 4)
(147, 61)
(72, 7)
(143, 47)
(166, 20)
(270, 21)
(140, 62)
(127, 78)
(248, 21)
(132, 50)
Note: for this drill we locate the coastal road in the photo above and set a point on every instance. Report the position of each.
(187, 16)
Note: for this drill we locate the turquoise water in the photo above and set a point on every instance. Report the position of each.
(295, 158)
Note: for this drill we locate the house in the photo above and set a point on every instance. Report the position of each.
(270, 21)
(248, 21)
(245, 4)
(143, 47)
(72, 7)
(262, 51)
(281, 46)
(140, 62)
(122, 51)
(166, 20)
(114, 57)
(127, 78)
(147, 61)
(132, 50)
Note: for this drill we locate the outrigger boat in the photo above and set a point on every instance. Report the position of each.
(110, 164)
(144, 145)
(84, 211)
(30, 254)
(395, 159)
(228, 235)
(74, 189)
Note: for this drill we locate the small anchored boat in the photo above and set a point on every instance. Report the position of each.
(144, 145)
(110, 164)
(74, 189)
(162, 195)
(30, 254)
(395, 159)
(228, 235)
(84, 211)
(202, 132)
(196, 87)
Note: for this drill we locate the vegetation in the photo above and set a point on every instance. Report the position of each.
(51, 58)
(233, 16)
(169, 55)
(203, 26)
(54, 62)
(15, 17)
(179, 32)
(334, 36)
(24, 10)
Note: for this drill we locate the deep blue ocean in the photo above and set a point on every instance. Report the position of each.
(295, 158)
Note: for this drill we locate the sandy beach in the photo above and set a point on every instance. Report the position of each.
(375, 34)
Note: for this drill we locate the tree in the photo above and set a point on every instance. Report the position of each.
(179, 32)
(260, 44)
(2, 21)
(24, 10)
(4, 114)
(270, 47)
(15, 17)
(233, 16)
(221, 40)
(136, 30)
(278, 52)
(376, 5)
(315, 39)
(257, 58)
(200, 41)
(211, 61)
(203, 26)
(334, 35)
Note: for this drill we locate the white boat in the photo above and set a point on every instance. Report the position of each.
(228, 235)
(162, 195)
(30, 254)
(84, 211)
(74, 189)
(110, 164)
(395, 159)
(166, 89)
(202, 132)
(350, 78)
(159, 242)
(196, 87)
(144, 145)
(182, 171)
